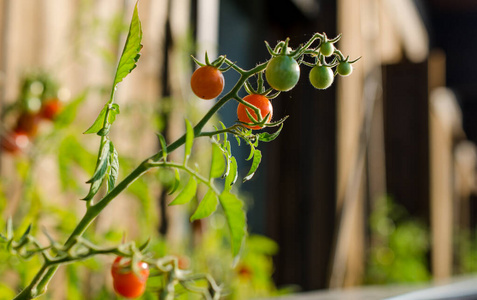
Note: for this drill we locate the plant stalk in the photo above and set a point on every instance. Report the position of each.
(38, 285)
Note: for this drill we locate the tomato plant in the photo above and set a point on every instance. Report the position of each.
(259, 101)
(126, 282)
(282, 73)
(321, 77)
(254, 111)
(207, 82)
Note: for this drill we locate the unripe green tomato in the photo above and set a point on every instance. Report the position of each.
(321, 77)
(327, 48)
(344, 68)
(282, 73)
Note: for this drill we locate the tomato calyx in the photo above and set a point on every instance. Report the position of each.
(254, 111)
(217, 63)
(260, 90)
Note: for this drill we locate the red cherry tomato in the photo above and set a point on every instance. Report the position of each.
(126, 283)
(28, 123)
(259, 101)
(207, 82)
(50, 108)
(15, 142)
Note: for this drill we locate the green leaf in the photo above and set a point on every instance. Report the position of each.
(113, 111)
(130, 54)
(206, 207)
(163, 143)
(189, 140)
(68, 114)
(98, 123)
(187, 193)
(232, 175)
(177, 182)
(93, 190)
(267, 137)
(145, 244)
(103, 161)
(257, 157)
(236, 220)
(113, 167)
(25, 234)
(217, 165)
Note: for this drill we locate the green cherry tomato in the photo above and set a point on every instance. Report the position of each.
(321, 77)
(327, 49)
(282, 73)
(344, 68)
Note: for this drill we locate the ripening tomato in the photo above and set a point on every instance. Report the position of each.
(282, 73)
(50, 108)
(183, 262)
(259, 101)
(344, 68)
(28, 123)
(207, 82)
(321, 77)
(126, 283)
(14, 142)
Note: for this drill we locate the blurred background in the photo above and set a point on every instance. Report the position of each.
(371, 181)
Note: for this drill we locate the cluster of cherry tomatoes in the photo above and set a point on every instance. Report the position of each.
(282, 74)
(26, 127)
(38, 101)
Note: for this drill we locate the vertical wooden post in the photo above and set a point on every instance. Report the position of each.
(443, 108)
(347, 263)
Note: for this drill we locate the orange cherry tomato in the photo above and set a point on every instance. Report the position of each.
(126, 283)
(259, 101)
(207, 82)
(50, 108)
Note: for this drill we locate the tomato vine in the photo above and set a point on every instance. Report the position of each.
(281, 72)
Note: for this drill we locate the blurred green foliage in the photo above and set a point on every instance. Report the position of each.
(399, 246)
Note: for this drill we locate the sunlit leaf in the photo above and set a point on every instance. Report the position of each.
(257, 157)
(163, 143)
(187, 193)
(68, 114)
(102, 165)
(217, 166)
(113, 111)
(93, 190)
(267, 137)
(130, 54)
(177, 181)
(189, 140)
(236, 220)
(232, 175)
(113, 167)
(206, 207)
(99, 122)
